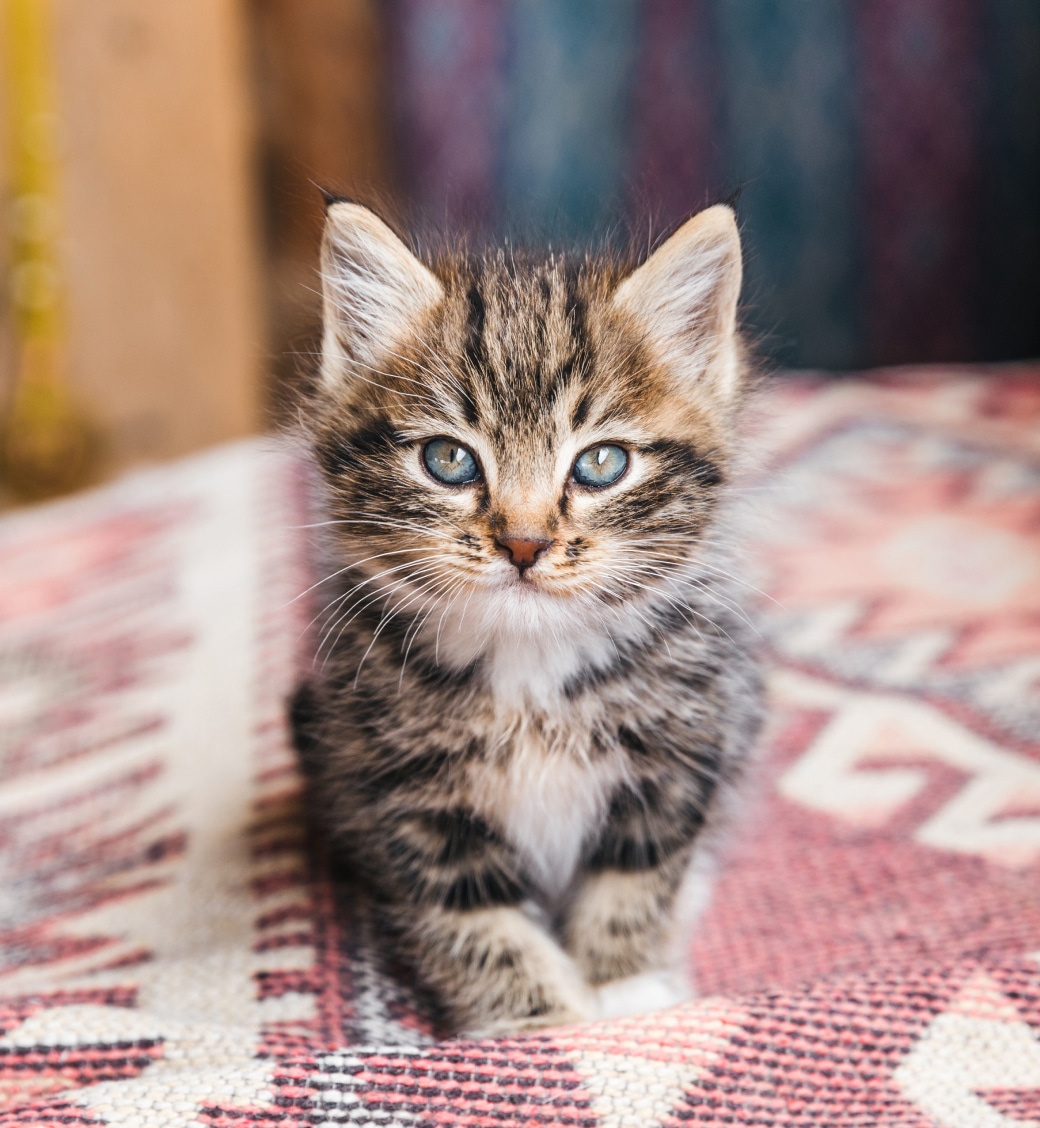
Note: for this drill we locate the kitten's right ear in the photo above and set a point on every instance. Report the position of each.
(374, 290)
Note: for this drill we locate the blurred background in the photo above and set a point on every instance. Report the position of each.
(159, 163)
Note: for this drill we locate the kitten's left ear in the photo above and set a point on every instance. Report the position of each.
(685, 298)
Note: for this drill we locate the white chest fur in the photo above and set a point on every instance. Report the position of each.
(547, 797)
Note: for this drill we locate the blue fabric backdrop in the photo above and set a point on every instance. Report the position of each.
(887, 152)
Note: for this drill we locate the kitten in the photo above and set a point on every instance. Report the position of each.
(534, 690)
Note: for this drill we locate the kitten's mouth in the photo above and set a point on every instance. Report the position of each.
(519, 580)
(533, 583)
(523, 581)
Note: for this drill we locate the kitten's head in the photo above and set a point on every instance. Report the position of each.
(530, 434)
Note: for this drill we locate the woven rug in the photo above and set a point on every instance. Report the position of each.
(173, 952)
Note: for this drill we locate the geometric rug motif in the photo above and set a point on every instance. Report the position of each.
(173, 950)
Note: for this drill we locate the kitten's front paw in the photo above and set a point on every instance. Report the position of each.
(567, 1002)
(499, 972)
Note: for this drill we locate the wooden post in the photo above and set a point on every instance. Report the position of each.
(323, 110)
(159, 227)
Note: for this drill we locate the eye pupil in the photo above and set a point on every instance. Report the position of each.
(602, 456)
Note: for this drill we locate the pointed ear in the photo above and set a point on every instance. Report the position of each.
(685, 299)
(374, 289)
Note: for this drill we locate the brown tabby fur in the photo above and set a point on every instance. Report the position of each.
(523, 766)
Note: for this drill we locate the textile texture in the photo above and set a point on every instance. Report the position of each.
(174, 951)
(887, 154)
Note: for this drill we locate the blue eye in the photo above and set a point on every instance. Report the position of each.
(450, 463)
(600, 465)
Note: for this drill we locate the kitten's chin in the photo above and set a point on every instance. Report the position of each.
(524, 596)
(527, 586)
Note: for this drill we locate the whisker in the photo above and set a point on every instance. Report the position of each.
(705, 590)
(461, 587)
(360, 605)
(680, 605)
(340, 571)
(452, 586)
(351, 591)
(385, 621)
(387, 592)
(391, 523)
(722, 572)
(654, 629)
(418, 563)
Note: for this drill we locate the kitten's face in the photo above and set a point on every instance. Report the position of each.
(524, 432)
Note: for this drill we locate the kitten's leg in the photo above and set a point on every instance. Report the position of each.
(621, 922)
(459, 911)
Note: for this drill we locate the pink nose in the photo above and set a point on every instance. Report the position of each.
(523, 553)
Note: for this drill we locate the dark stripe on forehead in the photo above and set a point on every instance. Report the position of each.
(575, 305)
(581, 409)
(581, 359)
(475, 349)
(582, 364)
(476, 353)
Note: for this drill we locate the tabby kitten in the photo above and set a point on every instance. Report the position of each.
(533, 690)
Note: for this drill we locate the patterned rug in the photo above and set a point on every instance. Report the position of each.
(172, 951)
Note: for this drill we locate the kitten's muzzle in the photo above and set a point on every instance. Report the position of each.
(522, 553)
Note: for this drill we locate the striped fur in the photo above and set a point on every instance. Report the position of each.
(522, 765)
